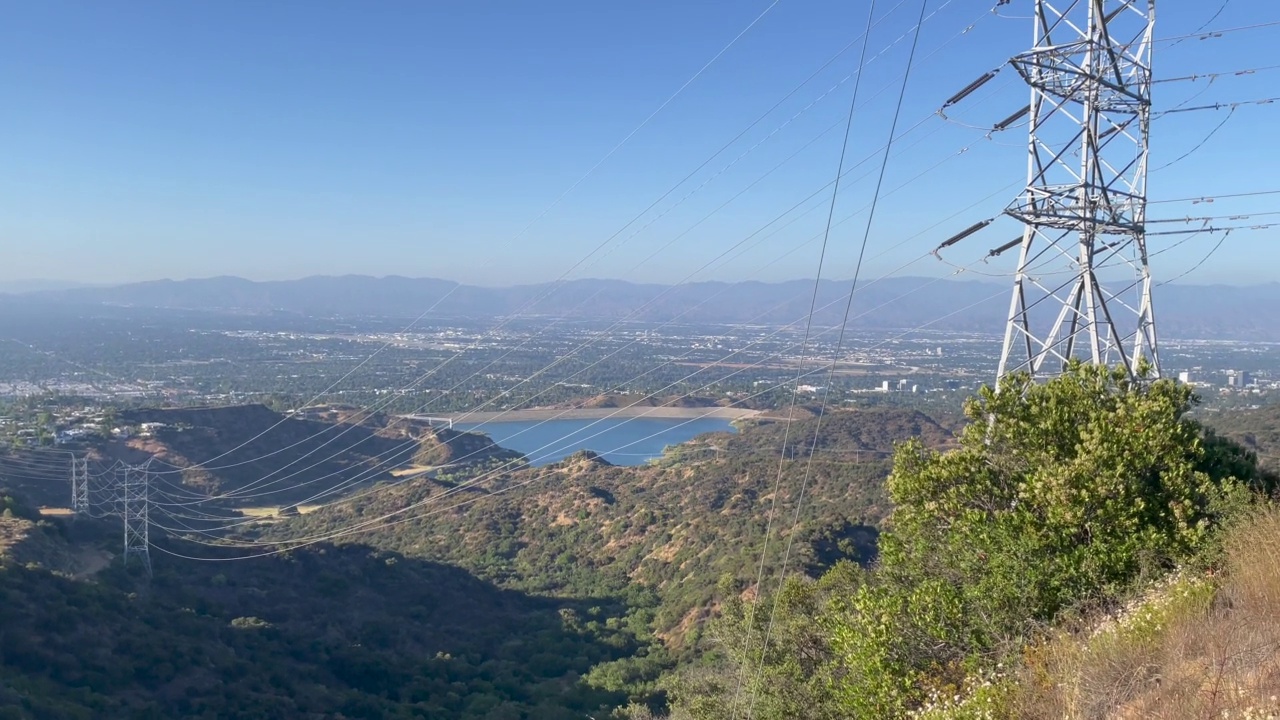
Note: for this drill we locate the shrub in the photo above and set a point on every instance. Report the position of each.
(1059, 493)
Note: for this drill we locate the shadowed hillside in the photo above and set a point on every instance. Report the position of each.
(328, 632)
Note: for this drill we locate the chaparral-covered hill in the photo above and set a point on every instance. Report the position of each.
(673, 528)
(250, 455)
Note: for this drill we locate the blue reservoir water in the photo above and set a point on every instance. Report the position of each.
(620, 441)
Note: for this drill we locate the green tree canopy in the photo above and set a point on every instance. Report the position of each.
(1059, 493)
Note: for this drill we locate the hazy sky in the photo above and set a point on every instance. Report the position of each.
(275, 140)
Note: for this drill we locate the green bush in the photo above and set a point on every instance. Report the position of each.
(1060, 493)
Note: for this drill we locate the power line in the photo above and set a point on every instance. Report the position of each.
(1207, 218)
(1234, 228)
(1212, 34)
(1216, 106)
(1202, 261)
(206, 465)
(548, 209)
(1214, 75)
(1209, 21)
(765, 313)
(686, 378)
(531, 303)
(902, 242)
(1212, 198)
(697, 372)
(644, 123)
(386, 520)
(813, 301)
(866, 236)
(240, 492)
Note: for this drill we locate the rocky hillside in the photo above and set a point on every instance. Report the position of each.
(1257, 429)
(673, 528)
(264, 458)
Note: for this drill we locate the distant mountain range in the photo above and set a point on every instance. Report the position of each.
(35, 285)
(1184, 311)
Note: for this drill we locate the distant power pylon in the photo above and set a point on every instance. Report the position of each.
(80, 485)
(135, 505)
(1085, 200)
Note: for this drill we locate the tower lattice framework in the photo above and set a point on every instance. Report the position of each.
(80, 485)
(135, 505)
(1083, 283)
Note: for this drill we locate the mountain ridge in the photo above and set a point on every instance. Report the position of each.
(1186, 311)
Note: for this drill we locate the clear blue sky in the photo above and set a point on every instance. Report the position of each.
(275, 140)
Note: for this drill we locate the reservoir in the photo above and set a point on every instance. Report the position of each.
(621, 441)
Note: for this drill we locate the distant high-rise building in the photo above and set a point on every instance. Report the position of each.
(939, 352)
(1238, 378)
(1184, 377)
(884, 386)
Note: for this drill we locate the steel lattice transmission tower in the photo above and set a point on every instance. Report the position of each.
(1083, 284)
(80, 485)
(135, 490)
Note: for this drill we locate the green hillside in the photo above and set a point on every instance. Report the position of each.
(329, 632)
(920, 562)
(674, 527)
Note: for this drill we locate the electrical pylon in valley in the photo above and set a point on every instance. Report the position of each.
(135, 495)
(1084, 206)
(80, 485)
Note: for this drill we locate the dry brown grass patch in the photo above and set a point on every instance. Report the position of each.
(1190, 660)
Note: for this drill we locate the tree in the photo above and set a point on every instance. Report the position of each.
(1059, 493)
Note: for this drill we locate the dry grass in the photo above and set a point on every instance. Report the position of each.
(1187, 656)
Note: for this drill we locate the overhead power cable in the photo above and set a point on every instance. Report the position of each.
(1215, 75)
(1214, 197)
(1216, 106)
(1202, 261)
(1207, 22)
(804, 344)
(688, 377)
(527, 227)
(1213, 34)
(767, 313)
(475, 482)
(644, 123)
(554, 286)
(868, 157)
(1210, 230)
(866, 235)
(399, 515)
(240, 495)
